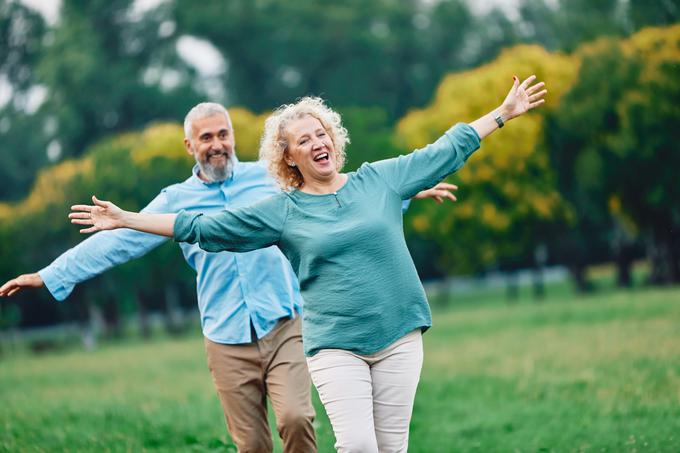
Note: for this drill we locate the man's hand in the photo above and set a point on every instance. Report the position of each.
(21, 282)
(438, 193)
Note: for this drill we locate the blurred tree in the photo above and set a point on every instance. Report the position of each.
(612, 144)
(387, 53)
(371, 136)
(23, 148)
(578, 136)
(508, 198)
(566, 24)
(21, 34)
(572, 22)
(104, 72)
(642, 13)
(130, 168)
(645, 157)
(248, 128)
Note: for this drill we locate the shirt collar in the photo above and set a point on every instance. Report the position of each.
(234, 172)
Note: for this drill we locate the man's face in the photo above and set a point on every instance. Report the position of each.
(212, 145)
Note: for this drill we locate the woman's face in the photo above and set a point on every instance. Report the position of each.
(311, 149)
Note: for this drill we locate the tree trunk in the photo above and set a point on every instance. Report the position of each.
(143, 315)
(512, 288)
(578, 276)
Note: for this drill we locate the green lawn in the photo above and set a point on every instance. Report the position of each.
(596, 374)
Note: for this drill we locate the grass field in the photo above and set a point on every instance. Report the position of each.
(596, 374)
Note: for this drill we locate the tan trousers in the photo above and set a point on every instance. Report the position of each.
(245, 374)
(369, 398)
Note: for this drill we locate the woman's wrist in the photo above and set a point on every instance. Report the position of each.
(503, 113)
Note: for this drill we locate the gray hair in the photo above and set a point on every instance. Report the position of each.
(203, 110)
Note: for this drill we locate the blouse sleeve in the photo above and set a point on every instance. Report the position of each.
(240, 230)
(422, 169)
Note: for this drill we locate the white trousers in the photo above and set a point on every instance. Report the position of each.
(369, 398)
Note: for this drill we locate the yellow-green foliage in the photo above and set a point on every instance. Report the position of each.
(248, 129)
(508, 185)
(46, 189)
(160, 140)
(657, 46)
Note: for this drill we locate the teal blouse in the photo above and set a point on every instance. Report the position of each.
(360, 287)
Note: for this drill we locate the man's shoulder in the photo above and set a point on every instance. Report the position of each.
(188, 184)
(253, 168)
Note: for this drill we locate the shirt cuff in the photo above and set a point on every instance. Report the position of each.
(54, 284)
(466, 136)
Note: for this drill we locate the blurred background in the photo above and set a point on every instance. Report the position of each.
(581, 197)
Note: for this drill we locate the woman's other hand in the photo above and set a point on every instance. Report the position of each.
(103, 215)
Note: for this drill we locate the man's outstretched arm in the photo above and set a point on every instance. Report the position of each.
(90, 258)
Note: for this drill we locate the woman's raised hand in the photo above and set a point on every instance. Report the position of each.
(103, 215)
(523, 97)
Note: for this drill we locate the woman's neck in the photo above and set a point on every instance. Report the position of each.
(323, 187)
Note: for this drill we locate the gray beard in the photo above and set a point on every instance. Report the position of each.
(214, 173)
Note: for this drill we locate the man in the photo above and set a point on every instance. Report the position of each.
(248, 302)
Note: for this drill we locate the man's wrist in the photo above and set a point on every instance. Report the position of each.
(127, 220)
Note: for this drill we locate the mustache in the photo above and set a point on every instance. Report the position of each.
(219, 152)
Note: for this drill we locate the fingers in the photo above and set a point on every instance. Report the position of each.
(7, 287)
(99, 202)
(449, 195)
(440, 195)
(79, 215)
(533, 88)
(527, 82)
(93, 229)
(446, 186)
(82, 207)
(536, 104)
(537, 96)
(82, 221)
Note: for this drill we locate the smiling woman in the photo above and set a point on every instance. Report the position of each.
(364, 306)
(296, 136)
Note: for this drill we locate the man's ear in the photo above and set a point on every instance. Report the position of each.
(187, 146)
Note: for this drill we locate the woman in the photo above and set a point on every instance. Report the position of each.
(364, 307)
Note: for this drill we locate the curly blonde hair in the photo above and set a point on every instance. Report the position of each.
(274, 143)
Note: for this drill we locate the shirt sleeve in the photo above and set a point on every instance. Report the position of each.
(101, 252)
(424, 168)
(240, 230)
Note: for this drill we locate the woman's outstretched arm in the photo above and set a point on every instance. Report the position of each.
(521, 98)
(104, 215)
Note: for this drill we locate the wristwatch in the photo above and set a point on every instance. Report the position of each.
(499, 120)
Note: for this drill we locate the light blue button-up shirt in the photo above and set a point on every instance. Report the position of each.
(233, 288)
